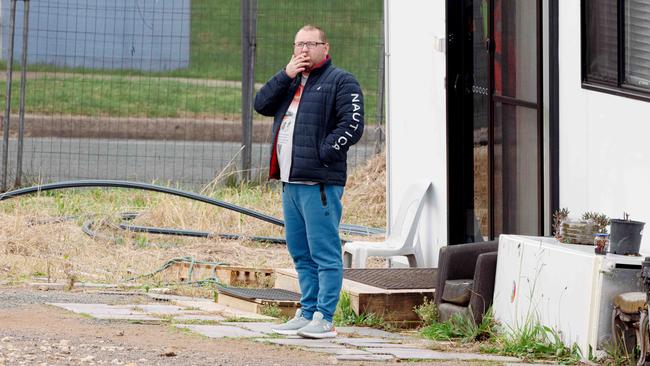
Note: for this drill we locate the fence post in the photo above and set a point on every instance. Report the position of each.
(379, 129)
(10, 68)
(248, 43)
(23, 86)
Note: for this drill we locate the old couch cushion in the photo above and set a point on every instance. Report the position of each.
(447, 310)
(457, 291)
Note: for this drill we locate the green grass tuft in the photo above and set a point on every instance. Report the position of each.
(533, 341)
(462, 327)
(273, 310)
(427, 312)
(345, 315)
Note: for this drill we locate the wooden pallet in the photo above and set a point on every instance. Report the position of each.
(288, 308)
(228, 275)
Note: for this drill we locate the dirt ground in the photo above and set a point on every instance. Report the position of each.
(34, 333)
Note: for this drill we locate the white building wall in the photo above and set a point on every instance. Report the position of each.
(604, 140)
(416, 113)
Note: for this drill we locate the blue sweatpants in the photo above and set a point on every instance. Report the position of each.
(312, 230)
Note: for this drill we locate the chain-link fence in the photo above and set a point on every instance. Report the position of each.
(151, 90)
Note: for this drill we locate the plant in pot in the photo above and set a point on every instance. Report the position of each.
(625, 236)
(558, 218)
(582, 231)
(600, 221)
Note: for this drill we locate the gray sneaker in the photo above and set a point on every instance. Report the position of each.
(318, 328)
(291, 327)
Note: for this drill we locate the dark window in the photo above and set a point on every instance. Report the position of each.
(616, 46)
(637, 43)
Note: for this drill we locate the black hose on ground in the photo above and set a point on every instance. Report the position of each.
(105, 183)
(198, 234)
(143, 186)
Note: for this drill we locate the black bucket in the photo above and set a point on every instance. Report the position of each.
(625, 237)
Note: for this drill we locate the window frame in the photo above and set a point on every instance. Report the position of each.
(621, 88)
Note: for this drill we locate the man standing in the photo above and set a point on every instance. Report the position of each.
(318, 112)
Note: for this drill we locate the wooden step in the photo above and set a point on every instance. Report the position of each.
(395, 306)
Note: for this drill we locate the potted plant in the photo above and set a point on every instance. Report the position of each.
(625, 236)
(582, 231)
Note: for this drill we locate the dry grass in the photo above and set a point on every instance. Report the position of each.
(364, 201)
(36, 242)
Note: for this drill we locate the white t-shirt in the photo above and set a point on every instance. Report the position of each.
(284, 145)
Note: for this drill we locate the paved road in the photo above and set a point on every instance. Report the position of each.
(189, 163)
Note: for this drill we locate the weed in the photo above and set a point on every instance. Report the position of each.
(185, 330)
(68, 270)
(618, 355)
(272, 310)
(462, 327)
(427, 312)
(166, 318)
(141, 241)
(531, 341)
(195, 322)
(345, 315)
(235, 319)
(534, 341)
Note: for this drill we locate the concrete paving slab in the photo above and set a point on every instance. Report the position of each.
(384, 358)
(220, 331)
(199, 317)
(361, 342)
(369, 332)
(419, 353)
(127, 317)
(382, 345)
(303, 342)
(261, 327)
(338, 351)
(226, 311)
(165, 297)
(107, 312)
(160, 309)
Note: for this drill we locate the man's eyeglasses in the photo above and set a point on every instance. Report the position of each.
(309, 45)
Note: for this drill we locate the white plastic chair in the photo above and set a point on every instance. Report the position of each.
(403, 239)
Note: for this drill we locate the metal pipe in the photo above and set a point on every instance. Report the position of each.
(10, 67)
(23, 86)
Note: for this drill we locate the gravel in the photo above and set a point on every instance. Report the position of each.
(11, 298)
(17, 349)
(33, 334)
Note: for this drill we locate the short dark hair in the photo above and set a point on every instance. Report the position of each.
(311, 27)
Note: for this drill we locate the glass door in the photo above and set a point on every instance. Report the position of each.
(494, 134)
